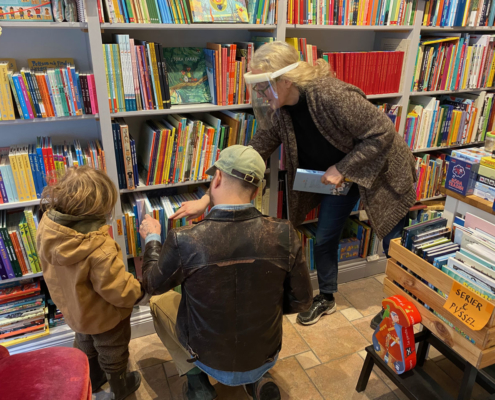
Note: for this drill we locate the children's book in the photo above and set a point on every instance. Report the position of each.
(26, 10)
(187, 75)
(227, 11)
(310, 181)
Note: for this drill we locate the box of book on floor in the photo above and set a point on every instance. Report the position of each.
(22, 312)
(428, 263)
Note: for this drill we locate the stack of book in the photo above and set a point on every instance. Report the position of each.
(430, 172)
(459, 13)
(454, 61)
(136, 205)
(188, 11)
(369, 243)
(485, 179)
(178, 148)
(60, 92)
(448, 120)
(374, 72)
(22, 312)
(393, 111)
(426, 211)
(25, 170)
(18, 254)
(351, 12)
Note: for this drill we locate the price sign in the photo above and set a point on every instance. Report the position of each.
(469, 307)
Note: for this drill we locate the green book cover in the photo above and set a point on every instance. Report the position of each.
(187, 75)
(227, 11)
(62, 92)
(110, 77)
(118, 77)
(130, 13)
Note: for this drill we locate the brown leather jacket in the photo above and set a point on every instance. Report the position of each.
(240, 272)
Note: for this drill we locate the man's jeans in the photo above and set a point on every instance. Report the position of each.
(334, 211)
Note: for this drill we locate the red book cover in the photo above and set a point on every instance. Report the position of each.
(347, 71)
(19, 291)
(389, 79)
(444, 71)
(224, 76)
(330, 16)
(379, 69)
(367, 75)
(315, 55)
(400, 62)
(362, 70)
(70, 87)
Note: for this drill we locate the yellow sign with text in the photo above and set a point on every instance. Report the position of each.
(469, 307)
(42, 64)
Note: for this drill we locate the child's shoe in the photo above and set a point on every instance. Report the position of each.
(96, 375)
(124, 383)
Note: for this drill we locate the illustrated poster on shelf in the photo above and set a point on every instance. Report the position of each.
(226, 11)
(187, 75)
(41, 65)
(26, 10)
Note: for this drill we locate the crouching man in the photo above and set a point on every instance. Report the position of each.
(239, 272)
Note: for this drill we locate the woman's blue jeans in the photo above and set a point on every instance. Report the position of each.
(334, 211)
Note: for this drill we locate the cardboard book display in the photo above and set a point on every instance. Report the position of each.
(393, 339)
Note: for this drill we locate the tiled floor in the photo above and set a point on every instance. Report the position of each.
(322, 361)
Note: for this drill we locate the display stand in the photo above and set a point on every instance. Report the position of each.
(417, 384)
(457, 204)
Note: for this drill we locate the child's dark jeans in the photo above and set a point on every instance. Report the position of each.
(111, 347)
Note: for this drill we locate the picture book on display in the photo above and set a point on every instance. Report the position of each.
(187, 75)
(26, 10)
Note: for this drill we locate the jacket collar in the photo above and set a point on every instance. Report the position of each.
(220, 214)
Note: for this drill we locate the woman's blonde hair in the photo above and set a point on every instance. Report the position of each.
(82, 191)
(276, 55)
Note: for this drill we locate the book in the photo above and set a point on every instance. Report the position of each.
(310, 181)
(26, 11)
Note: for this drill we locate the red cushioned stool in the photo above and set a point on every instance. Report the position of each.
(55, 373)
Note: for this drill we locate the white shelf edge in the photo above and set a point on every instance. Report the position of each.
(19, 204)
(183, 108)
(21, 278)
(51, 119)
(458, 28)
(355, 262)
(142, 187)
(442, 196)
(383, 96)
(447, 147)
(45, 25)
(438, 92)
(217, 26)
(352, 27)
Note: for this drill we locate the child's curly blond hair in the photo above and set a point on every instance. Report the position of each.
(82, 191)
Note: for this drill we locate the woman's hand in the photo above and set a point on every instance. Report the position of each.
(149, 226)
(332, 176)
(192, 209)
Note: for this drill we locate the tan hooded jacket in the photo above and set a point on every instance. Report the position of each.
(83, 269)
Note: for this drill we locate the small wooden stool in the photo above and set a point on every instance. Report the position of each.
(55, 373)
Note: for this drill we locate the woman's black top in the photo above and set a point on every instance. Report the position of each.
(314, 151)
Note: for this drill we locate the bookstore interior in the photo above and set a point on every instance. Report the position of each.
(151, 91)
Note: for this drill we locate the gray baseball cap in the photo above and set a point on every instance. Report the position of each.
(242, 162)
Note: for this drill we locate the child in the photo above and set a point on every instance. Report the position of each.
(83, 269)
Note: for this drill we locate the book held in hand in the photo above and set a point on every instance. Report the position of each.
(308, 180)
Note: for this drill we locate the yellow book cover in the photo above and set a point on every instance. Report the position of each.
(427, 11)
(293, 42)
(488, 162)
(457, 126)
(439, 127)
(146, 14)
(27, 338)
(156, 76)
(468, 67)
(166, 137)
(419, 62)
(27, 249)
(199, 149)
(136, 8)
(466, 13)
(28, 213)
(32, 245)
(118, 15)
(167, 155)
(7, 110)
(471, 125)
(26, 166)
(23, 196)
(360, 12)
(447, 39)
(170, 149)
(158, 156)
(491, 74)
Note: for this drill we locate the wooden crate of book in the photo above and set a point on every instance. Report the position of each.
(479, 348)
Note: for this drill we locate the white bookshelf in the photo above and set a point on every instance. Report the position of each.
(83, 42)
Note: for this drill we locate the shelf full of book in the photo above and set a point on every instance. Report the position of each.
(43, 25)
(214, 26)
(180, 108)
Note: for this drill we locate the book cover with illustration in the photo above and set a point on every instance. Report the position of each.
(227, 11)
(26, 10)
(187, 75)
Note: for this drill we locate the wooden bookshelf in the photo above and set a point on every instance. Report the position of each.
(474, 201)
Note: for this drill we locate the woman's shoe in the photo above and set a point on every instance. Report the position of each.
(320, 307)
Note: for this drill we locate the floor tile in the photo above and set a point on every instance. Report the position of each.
(292, 318)
(308, 360)
(293, 381)
(292, 343)
(363, 326)
(337, 380)
(341, 301)
(332, 337)
(147, 351)
(365, 295)
(169, 368)
(153, 385)
(351, 314)
(175, 384)
(380, 278)
(224, 392)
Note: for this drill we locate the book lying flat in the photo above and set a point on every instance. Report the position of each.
(308, 180)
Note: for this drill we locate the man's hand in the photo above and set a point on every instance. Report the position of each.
(148, 226)
(192, 209)
(332, 176)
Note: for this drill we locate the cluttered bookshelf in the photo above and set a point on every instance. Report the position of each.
(131, 97)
